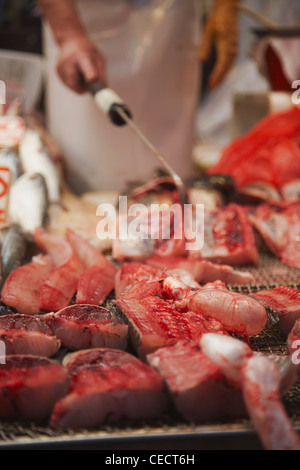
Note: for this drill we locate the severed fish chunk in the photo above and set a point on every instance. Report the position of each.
(283, 300)
(108, 386)
(97, 280)
(25, 334)
(29, 387)
(61, 285)
(130, 273)
(228, 238)
(155, 323)
(279, 226)
(88, 326)
(23, 287)
(197, 385)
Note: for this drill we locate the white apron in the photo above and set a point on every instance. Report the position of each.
(151, 52)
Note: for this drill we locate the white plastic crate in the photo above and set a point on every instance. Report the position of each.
(22, 74)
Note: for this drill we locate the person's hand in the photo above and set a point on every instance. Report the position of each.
(221, 30)
(80, 59)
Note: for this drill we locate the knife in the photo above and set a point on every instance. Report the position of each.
(119, 113)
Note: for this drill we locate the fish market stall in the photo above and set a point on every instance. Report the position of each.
(69, 301)
(162, 316)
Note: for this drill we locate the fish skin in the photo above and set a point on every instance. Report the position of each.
(28, 203)
(60, 287)
(28, 334)
(10, 159)
(34, 158)
(81, 327)
(285, 302)
(22, 288)
(13, 249)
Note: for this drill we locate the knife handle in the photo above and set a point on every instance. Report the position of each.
(108, 101)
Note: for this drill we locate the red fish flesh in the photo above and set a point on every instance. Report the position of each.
(60, 287)
(108, 386)
(97, 279)
(279, 226)
(88, 326)
(203, 271)
(196, 385)
(261, 389)
(239, 314)
(285, 301)
(155, 322)
(22, 289)
(130, 273)
(24, 334)
(29, 387)
(269, 153)
(228, 238)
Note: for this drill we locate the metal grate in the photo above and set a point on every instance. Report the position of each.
(269, 274)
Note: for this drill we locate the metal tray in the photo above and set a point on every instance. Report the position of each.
(269, 274)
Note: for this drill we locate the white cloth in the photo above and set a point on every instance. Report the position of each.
(151, 52)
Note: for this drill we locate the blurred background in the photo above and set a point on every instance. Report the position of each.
(255, 86)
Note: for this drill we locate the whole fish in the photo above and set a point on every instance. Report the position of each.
(12, 250)
(10, 159)
(28, 202)
(36, 159)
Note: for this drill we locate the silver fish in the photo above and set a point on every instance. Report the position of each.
(9, 159)
(13, 249)
(35, 159)
(28, 203)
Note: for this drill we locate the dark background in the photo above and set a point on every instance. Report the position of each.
(20, 26)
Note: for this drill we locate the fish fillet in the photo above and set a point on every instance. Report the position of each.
(108, 386)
